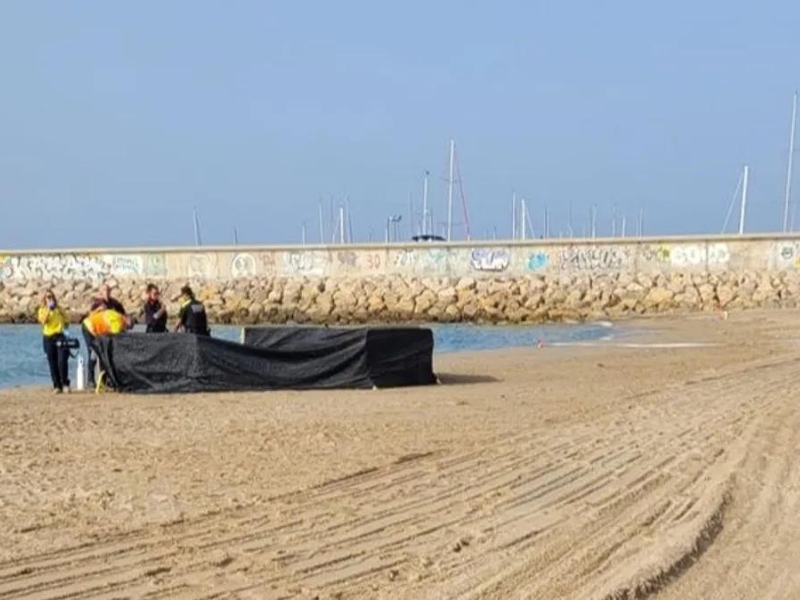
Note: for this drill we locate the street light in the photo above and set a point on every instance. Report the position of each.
(389, 220)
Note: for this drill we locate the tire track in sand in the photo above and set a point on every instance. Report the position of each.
(480, 524)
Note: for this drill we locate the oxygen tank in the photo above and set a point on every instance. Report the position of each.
(80, 379)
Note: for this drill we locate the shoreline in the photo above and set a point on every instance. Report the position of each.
(535, 472)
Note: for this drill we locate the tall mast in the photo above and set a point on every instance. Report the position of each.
(321, 224)
(789, 169)
(425, 204)
(523, 215)
(594, 220)
(450, 192)
(341, 223)
(623, 224)
(514, 215)
(197, 240)
(743, 206)
(302, 233)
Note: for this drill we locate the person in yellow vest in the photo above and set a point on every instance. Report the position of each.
(54, 323)
(101, 322)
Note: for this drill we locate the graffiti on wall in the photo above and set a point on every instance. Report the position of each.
(55, 266)
(304, 263)
(787, 255)
(155, 265)
(490, 259)
(538, 260)
(124, 265)
(595, 258)
(243, 265)
(199, 266)
(692, 255)
(430, 259)
(656, 254)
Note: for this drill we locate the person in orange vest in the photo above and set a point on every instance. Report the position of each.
(101, 322)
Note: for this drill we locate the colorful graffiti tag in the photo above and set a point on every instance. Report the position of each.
(538, 260)
(490, 259)
(56, 266)
(597, 258)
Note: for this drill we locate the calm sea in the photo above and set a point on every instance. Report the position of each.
(22, 361)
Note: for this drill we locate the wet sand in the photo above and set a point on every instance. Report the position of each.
(560, 472)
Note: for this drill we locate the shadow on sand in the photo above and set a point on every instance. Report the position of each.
(464, 379)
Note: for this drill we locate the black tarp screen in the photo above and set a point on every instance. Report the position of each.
(276, 358)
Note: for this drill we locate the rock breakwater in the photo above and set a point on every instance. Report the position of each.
(533, 298)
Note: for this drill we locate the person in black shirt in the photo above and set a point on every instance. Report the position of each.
(105, 301)
(155, 313)
(192, 317)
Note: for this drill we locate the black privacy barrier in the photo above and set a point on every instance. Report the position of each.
(270, 359)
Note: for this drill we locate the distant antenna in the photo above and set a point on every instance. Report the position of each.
(197, 240)
(791, 161)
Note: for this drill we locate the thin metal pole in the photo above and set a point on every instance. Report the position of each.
(341, 224)
(791, 161)
(450, 193)
(514, 215)
(321, 224)
(425, 204)
(197, 240)
(623, 224)
(388, 239)
(743, 207)
(594, 220)
(235, 237)
(523, 217)
(303, 233)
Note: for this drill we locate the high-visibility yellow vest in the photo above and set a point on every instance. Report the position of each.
(53, 321)
(105, 322)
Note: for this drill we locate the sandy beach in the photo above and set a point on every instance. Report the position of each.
(557, 472)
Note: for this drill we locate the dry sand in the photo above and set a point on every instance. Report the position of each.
(537, 473)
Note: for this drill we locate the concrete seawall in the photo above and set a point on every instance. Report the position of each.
(530, 281)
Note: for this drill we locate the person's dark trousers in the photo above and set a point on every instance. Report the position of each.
(91, 358)
(57, 359)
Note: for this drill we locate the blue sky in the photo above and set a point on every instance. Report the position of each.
(117, 118)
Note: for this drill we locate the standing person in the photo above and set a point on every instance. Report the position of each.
(101, 322)
(54, 322)
(103, 301)
(192, 317)
(155, 313)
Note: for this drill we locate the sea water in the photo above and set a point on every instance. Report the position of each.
(22, 360)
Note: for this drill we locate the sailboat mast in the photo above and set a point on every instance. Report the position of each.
(743, 206)
(425, 204)
(197, 240)
(789, 169)
(450, 192)
(514, 215)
